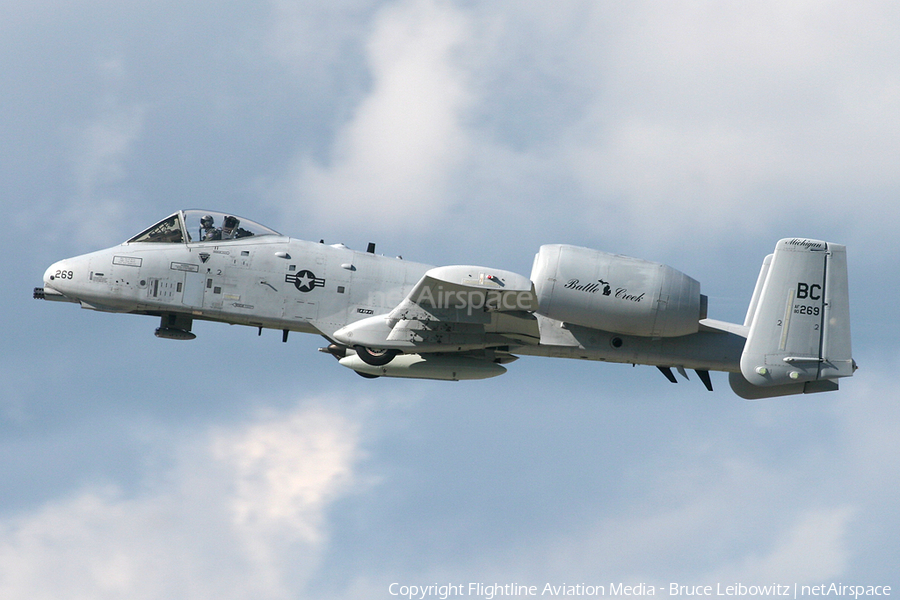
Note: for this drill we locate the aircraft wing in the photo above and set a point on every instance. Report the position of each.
(452, 309)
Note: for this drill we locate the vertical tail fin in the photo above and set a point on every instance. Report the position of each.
(799, 320)
(754, 301)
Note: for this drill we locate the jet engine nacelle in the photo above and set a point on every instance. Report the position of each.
(616, 293)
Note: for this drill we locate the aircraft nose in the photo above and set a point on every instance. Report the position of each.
(49, 274)
(58, 274)
(66, 280)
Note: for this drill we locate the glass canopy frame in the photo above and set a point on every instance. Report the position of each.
(194, 225)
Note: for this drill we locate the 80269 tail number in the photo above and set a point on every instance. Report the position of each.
(803, 309)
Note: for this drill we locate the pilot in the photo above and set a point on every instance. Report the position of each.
(229, 227)
(208, 230)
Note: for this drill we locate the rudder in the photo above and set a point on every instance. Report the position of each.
(799, 322)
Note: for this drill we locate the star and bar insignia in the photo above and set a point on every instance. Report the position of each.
(305, 280)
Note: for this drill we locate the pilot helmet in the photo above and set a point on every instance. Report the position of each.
(229, 224)
(206, 221)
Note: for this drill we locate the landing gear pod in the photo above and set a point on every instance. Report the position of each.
(375, 357)
(430, 366)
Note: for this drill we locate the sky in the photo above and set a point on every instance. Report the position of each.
(696, 134)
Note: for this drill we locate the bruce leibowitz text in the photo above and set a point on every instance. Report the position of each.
(490, 591)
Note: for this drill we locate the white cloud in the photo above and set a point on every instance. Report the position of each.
(91, 204)
(736, 525)
(287, 470)
(813, 550)
(706, 111)
(101, 147)
(241, 514)
(660, 120)
(694, 517)
(870, 417)
(394, 157)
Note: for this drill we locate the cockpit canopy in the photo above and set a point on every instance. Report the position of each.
(187, 226)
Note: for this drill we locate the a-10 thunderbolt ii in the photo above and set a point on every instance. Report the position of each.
(391, 317)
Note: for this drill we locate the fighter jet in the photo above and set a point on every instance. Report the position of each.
(389, 317)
